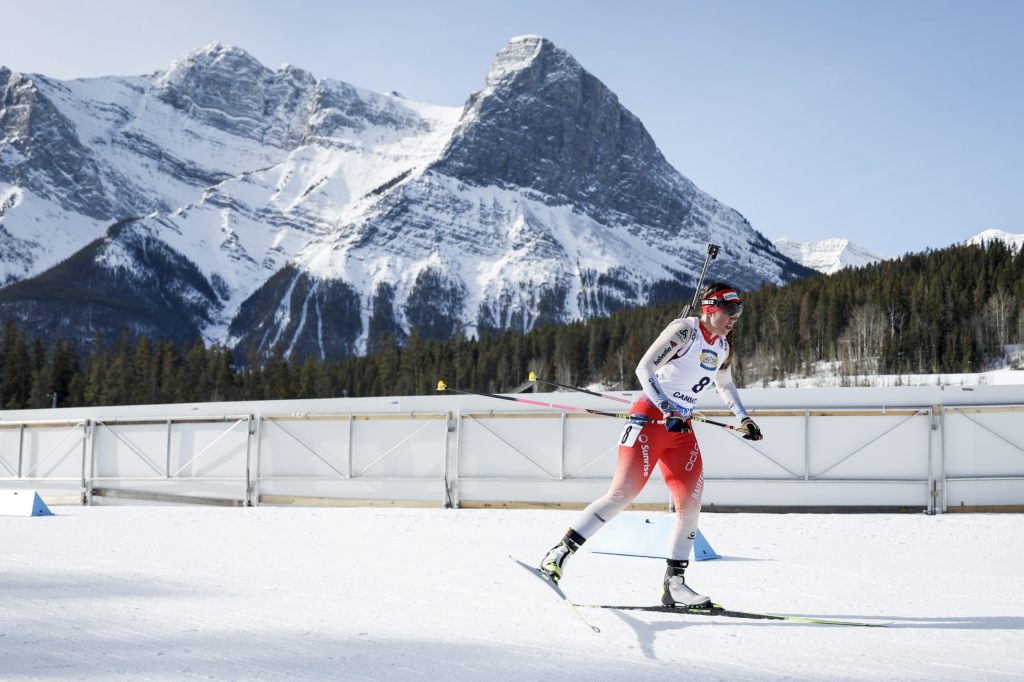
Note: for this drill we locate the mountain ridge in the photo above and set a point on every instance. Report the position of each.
(827, 255)
(327, 218)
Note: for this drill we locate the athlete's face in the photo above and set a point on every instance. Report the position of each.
(720, 323)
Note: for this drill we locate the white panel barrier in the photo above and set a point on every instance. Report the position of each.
(538, 457)
(48, 453)
(442, 451)
(823, 458)
(377, 457)
(983, 455)
(165, 459)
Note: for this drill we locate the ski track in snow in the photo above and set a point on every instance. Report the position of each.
(161, 593)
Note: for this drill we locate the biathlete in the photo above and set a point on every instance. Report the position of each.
(688, 355)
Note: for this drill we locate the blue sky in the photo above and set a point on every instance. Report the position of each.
(898, 124)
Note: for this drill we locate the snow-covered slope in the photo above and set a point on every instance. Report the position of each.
(1013, 241)
(277, 208)
(282, 594)
(549, 203)
(827, 255)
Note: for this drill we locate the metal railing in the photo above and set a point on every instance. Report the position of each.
(910, 457)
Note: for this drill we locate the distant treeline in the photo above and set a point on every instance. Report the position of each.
(947, 311)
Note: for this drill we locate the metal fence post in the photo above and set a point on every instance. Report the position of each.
(259, 461)
(167, 471)
(248, 461)
(941, 505)
(92, 457)
(929, 453)
(807, 445)
(86, 482)
(348, 458)
(446, 502)
(456, 497)
(561, 450)
(21, 448)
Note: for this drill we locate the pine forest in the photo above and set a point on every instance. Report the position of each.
(946, 311)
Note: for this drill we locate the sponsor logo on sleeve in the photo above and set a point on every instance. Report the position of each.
(671, 345)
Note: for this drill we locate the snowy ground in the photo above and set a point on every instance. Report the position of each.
(826, 376)
(172, 593)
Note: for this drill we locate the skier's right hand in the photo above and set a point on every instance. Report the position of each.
(677, 422)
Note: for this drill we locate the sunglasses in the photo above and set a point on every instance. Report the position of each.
(730, 308)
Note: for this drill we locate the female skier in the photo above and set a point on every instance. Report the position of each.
(689, 354)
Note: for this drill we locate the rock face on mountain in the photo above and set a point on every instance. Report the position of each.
(265, 209)
(42, 152)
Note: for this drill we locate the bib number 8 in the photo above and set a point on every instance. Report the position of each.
(629, 434)
(699, 386)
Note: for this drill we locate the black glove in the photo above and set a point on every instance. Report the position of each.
(677, 422)
(753, 432)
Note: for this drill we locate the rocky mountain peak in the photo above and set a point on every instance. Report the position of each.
(228, 88)
(524, 53)
(213, 58)
(544, 123)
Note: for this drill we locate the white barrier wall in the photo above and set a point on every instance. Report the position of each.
(858, 448)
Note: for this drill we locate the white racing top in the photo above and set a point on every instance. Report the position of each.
(681, 363)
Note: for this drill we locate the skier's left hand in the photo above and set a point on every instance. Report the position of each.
(753, 432)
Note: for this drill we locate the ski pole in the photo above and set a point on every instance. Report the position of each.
(712, 254)
(534, 378)
(702, 418)
(441, 386)
(696, 417)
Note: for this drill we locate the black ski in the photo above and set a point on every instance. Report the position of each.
(558, 590)
(718, 610)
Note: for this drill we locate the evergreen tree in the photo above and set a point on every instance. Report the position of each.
(16, 382)
(944, 311)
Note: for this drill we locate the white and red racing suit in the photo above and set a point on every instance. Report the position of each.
(674, 371)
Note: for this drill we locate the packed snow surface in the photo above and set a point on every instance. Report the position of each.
(171, 593)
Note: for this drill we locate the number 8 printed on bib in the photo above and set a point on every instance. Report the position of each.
(630, 433)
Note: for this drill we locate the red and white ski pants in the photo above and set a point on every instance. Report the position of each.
(640, 449)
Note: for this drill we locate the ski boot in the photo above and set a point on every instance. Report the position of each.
(675, 591)
(552, 563)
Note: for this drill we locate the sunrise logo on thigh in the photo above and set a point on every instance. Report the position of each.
(645, 450)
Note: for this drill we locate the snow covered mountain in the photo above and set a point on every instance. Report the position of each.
(827, 255)
(259, 208)
(1014, 242)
